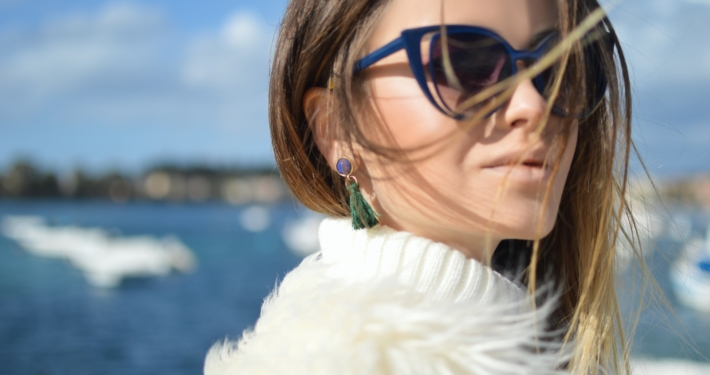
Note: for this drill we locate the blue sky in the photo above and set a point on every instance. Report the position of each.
(669, 56)
(113, 84)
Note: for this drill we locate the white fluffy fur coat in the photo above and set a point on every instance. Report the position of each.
(384, 302)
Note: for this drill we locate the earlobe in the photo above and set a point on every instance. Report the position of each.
(317, 109)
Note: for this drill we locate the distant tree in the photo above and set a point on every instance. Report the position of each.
(25, 180)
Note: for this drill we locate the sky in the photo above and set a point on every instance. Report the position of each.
(668, 50)
(122, 85)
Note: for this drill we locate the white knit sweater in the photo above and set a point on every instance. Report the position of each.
(378, 301)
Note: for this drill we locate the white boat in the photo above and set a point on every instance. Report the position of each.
(255, 218)
(690, 274)
(104, 259)
(646, 366)
(301, 235)
(650, 225)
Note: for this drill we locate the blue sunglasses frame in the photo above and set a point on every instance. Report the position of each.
(410, 41)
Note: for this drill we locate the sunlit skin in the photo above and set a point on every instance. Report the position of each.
(454, 195)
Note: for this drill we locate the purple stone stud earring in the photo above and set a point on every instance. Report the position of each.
(344, 167)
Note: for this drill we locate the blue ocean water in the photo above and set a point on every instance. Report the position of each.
(53, 322)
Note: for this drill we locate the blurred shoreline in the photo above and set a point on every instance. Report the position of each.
(166, 182)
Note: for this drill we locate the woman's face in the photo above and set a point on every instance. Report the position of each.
(466, 192)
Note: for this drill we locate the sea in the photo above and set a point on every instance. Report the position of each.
(52, 321)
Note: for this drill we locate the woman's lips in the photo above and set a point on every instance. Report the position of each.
(524, 163)
(524, 172)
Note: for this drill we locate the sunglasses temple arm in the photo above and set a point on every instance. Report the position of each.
(379, 54)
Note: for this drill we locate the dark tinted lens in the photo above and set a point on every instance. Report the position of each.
(575, 98)
(477, 62)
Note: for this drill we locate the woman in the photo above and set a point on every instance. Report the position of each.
(445, 138)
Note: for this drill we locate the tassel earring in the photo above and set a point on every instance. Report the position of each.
(362, 213)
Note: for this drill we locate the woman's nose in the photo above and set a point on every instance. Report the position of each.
(525, 107)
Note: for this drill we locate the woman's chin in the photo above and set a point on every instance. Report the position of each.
(525, 227)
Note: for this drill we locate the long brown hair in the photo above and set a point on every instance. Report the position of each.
(320, 40)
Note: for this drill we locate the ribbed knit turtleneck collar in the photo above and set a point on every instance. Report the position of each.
(424, 265)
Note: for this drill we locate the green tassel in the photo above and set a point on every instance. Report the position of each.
(363, 214)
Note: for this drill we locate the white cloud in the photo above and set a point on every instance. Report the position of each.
(243, 30)
(236, 58)
(77, 51)
(127, 51)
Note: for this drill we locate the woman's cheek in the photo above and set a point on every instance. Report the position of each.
(407, 114)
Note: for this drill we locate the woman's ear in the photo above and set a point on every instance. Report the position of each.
(317, 106)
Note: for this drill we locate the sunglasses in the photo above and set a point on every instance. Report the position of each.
(479, 58)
